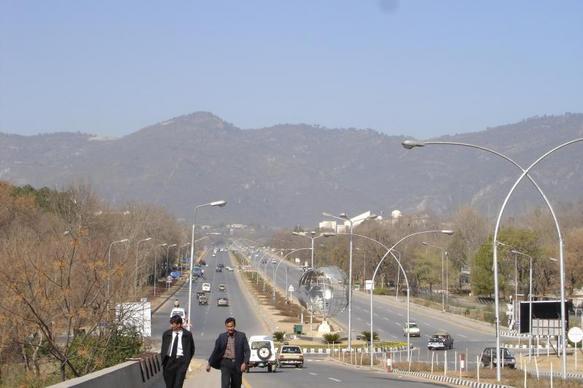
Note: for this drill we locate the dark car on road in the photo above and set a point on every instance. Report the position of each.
(488, 357)
(440, 340)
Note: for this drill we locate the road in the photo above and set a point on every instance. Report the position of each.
(389, 316)
(208, 322)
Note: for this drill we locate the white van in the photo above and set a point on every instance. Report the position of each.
(206, 287)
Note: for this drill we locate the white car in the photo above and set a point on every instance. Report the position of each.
(262, 353)
(206, 287)
(412, 329)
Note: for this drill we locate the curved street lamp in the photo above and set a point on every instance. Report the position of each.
(409, 144)
(277, 267)
(444, 272)
(401, 269)
(344, 217)
(390, 250)
(213, 204)
(156, 266)
(167, 260)
(136, 278)
(109, 263)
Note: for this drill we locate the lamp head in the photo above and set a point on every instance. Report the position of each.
(124, 240)
(326, 214)
(297, 234)
(343, 215)
(147, 239)
(329, 234)
(409, 144)
(447, 231)
(219, 203)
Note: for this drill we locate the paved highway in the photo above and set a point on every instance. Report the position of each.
(208, 322)
(390, 315)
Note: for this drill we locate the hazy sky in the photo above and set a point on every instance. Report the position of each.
(420, 68)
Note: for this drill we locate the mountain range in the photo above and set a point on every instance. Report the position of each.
(288, 174)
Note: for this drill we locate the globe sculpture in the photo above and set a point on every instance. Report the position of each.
(324, 291)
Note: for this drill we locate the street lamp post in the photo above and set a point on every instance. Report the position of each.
(277, 267)
(344, 217)
(444, 272)
(136, 278)
(156, 266)
(192, 242)
(409, 144)
(183, 246)
(109, 264)
(167, 260)
(390, 250)
(311, 237)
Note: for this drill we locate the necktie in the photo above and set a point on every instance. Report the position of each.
(174, 346)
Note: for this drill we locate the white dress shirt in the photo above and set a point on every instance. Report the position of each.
(176, 336)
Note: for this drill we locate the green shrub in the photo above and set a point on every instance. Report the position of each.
(278, 336)
(366, 335)
(331, 338)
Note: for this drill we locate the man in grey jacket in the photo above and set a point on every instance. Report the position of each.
(230, 355)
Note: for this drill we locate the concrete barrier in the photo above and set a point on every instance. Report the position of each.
(140, 372)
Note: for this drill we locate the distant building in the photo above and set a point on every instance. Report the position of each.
(329, 226)
(345, 226)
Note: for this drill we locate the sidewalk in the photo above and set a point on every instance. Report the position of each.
(198, 377)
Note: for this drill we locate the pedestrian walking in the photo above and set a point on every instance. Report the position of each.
(176, 352)
(230, 355)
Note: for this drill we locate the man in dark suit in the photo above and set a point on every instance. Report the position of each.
(176, 352)
(230, 355)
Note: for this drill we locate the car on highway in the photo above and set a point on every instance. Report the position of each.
(197, 272)
(203, 299)
(230, 269)
(291, 355)
(221, 287)
(488, 357)
(412, 329)
(441, 340)
(206, 287)
(219, 269)
(222, 301)
(273, 261)
(262, 353)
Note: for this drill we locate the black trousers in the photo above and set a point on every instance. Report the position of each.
(175, 372)
(231, 375)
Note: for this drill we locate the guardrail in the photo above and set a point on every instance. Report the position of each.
(143, 372)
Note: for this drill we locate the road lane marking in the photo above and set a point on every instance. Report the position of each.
(398, 324)
(333, 379)
(386, 319)
(313, 374)
(461, 335)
